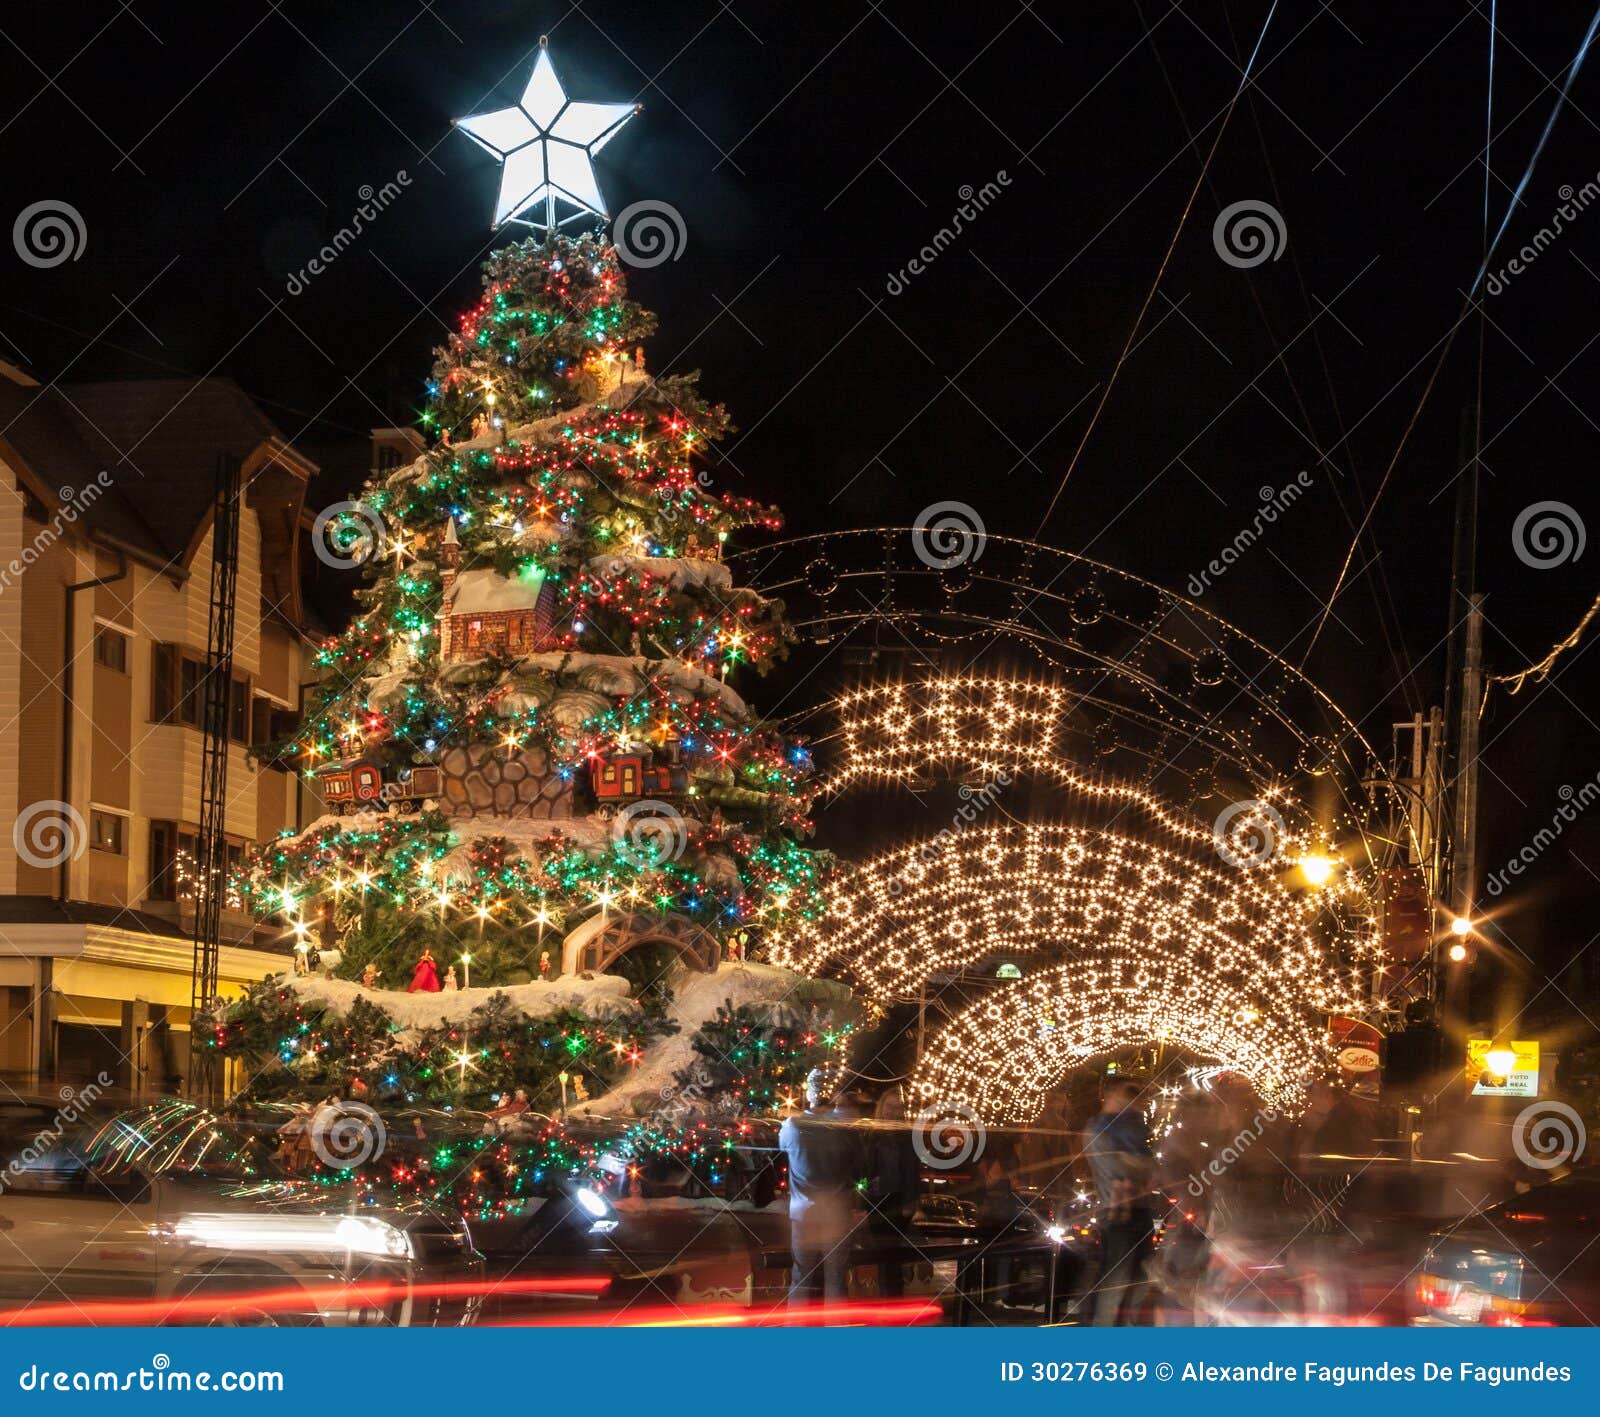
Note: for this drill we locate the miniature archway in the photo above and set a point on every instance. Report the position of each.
(601, 940)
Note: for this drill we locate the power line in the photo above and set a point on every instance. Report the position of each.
(1155, 285)
(1461, 319)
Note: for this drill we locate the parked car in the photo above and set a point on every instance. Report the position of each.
(1529, 1262)
(169, 1204)
(1335, 1239)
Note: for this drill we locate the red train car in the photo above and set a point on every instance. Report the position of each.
(359, 785)
(626, 777)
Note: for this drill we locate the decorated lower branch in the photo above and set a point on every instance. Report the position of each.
(478, 1098)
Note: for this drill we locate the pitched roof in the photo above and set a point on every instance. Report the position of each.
(485, 592)
(159, 441)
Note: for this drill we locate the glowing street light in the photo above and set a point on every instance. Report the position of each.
(1501, 1060)
(1317, 869)
(1461, 925)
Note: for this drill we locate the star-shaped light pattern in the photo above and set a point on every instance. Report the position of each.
(547, 145)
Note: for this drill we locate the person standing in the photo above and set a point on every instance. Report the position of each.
(1120, 1155)
(896, 1188)
(820, 1199)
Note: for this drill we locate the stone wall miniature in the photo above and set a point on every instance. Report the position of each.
(484, 781)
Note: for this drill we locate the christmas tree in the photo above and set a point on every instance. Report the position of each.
(528, 729)
(529, 719)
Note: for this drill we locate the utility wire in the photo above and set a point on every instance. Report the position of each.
(1155, 285)
(1461, 319)
(1541, 670)
(1383, 598)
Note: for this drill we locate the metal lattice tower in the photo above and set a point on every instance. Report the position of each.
(211, 848)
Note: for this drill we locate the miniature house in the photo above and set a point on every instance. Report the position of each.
(486, 613)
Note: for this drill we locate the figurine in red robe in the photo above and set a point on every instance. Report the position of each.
(426, 978)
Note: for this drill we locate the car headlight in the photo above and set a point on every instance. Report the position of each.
(288, 1234)
(364, 1235)
(1058, 1233)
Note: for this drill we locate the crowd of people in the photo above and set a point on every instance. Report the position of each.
(856, 1180)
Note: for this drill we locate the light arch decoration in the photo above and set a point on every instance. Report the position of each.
(1001, 1055)
(1136, 684)
(1122, 940)
(1190, 769)
(1040, 890)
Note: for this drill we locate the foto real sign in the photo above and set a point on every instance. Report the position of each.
(1499, 1069)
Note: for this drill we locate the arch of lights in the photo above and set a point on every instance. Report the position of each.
(1123, 939)
(1037, 891)
(1144, 686)
(1001, 1055)
(1193, 768)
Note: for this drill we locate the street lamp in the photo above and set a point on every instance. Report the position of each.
(1318, 869)
(1500, 1060)
(1457, 952)
(1461, 925)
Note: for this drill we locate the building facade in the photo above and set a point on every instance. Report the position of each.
(106, 503)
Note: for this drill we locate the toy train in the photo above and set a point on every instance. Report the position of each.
(359, 785)
(626, 777)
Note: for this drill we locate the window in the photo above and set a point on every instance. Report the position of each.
(261, 720)
(163, 683)
(191, 692)
(174, 864)
(178, 692)
(107, 832)
(177, 686)
(269, 723)
(163, 861)
(111, 648)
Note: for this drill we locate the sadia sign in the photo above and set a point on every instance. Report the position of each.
(1355, 1044)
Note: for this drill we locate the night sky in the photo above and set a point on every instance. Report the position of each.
(812, 151)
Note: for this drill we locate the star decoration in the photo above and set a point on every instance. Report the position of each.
(546, 145)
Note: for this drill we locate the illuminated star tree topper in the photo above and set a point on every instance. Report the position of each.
(546, 144)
